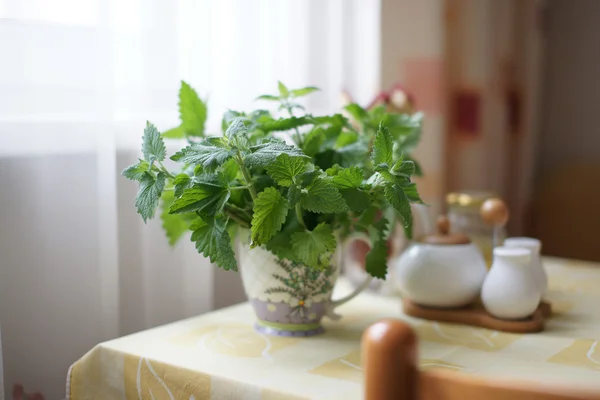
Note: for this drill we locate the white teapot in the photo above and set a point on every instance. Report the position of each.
(443, 270)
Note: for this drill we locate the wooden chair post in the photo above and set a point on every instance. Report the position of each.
(389, 354)
(389, 357)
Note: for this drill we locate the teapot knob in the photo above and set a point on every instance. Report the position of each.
(494, 212)
(443, 235)
(443, 225)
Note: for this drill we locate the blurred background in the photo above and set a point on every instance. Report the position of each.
(509, 89)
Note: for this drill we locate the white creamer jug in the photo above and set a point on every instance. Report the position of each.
(510, 291)
(536, 267)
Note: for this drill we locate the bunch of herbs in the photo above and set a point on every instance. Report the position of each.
(331, 177)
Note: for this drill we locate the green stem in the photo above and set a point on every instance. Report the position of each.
(240, 162)
(239, 187)
(298, 136)
(237, 219)
(165, 170)
(237, 209)
(299, 216)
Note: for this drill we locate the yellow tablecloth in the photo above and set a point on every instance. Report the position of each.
(220, 356)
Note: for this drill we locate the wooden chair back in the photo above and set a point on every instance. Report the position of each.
(389, 354)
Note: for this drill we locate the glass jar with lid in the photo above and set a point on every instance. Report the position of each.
(464, 215)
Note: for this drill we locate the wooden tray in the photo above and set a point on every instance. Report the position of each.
(475, 315)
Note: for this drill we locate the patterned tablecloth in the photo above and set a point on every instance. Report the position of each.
(220, 356)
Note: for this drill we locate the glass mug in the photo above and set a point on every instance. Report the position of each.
(465, 217)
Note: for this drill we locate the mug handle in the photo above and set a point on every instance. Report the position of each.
(336, 303)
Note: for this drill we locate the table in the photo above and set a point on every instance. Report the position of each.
(219, 356)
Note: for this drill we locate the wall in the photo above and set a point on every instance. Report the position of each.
(571, 106)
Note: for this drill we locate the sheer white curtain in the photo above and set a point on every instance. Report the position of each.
(78, 79)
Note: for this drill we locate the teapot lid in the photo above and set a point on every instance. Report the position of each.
(443, 235)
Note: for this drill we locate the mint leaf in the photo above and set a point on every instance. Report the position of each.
(384, 171)
(280, 243)
(382, 147)
(232, 230)
(369, 215)
(331, 133)
(352, 154)
(304, 91)
(173, 225)
(378, 114)
(137, 171)
(321, 196)
(207, 196)
(337, 120)
(268, 97)
(376, 262)
(153, 146)
(376, 180)
(181, 182)
(313, 141)
(348, 178)
(192, 111)
(270, 210)
(213, 241)
(333, 171)
(418, 168)
(293, 195)
(357, 112)
(230, 170)
(403, 168)
(174, 133)
(346, 138)
(314, 248)
(266, 153)
(410, 190)
(236, 128)
(228, 118)
(397, 198)
(356, 199)
(406, 128)
(197, 223)
(409, 143)
(149, 194)
(258, 117)
(284, 124)
(218, 141)
(207, 155)
(308, 177)
(285, 169)
(283, 90)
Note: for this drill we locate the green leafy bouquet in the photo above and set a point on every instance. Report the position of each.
(337, 177)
